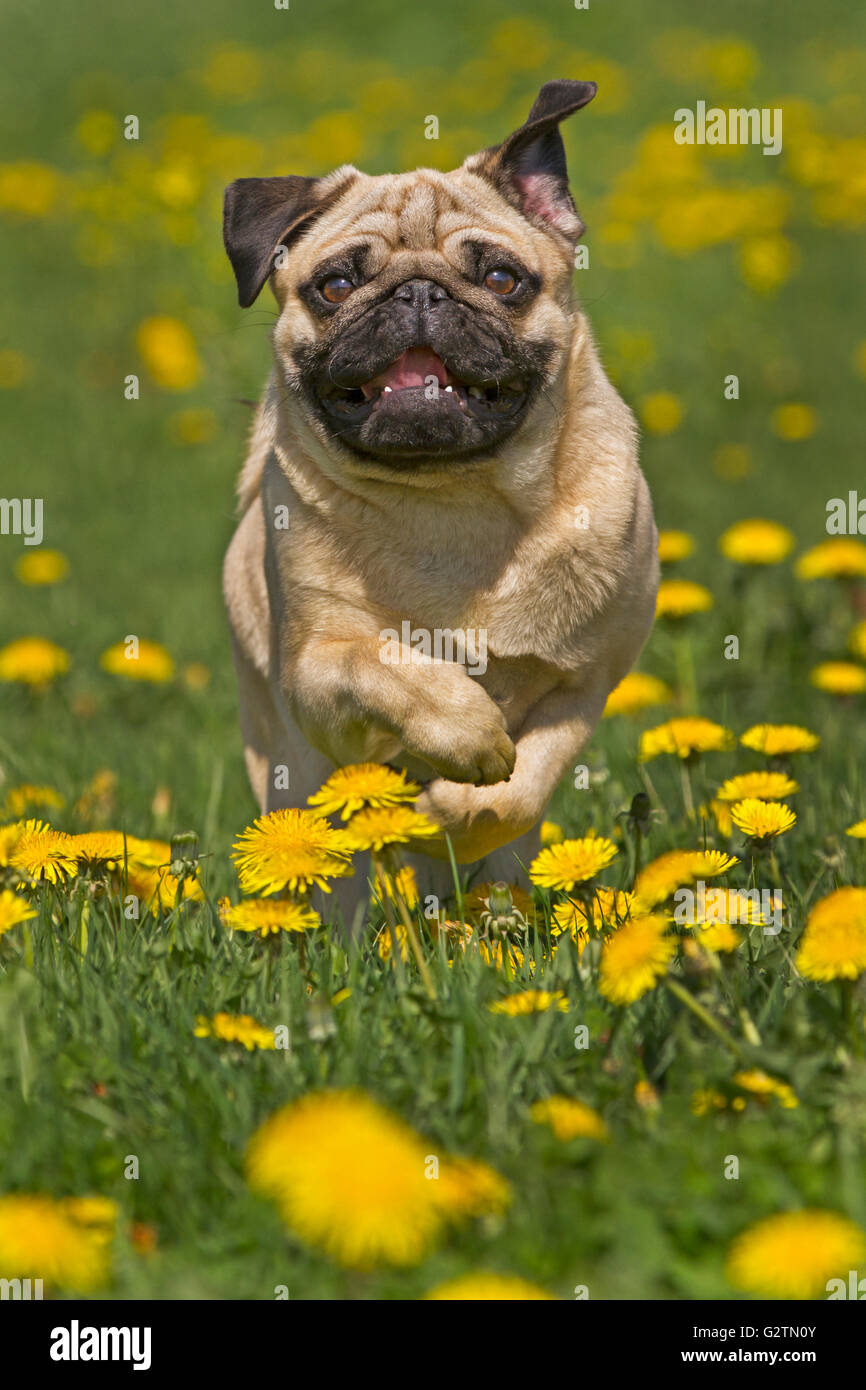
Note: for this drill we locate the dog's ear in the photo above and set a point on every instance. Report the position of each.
(529, 167)
(260, 215)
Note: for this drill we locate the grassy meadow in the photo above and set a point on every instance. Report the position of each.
(702, 1044)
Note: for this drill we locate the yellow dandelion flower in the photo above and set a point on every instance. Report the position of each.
(684, 737)
(794, 1254)
(569, 1118)
(378, 826)
(858, 830)
(403, 884)
(766, 262)
(661, 412)
(141, 661)
(32, 661)
(634, 959)
(41, 567)
(98, 847)
(646, 1095)
(779, 740)
(794, 421)
(267, 916)
(9, 837)
(386, 939)
(674, 546)
(679, 598)
(677, 868)
(29, 188)
(719, 936)
(169, 353)
(470, 1188)
(840, 557)
(659, 879)
(759, 1084)
(635, 692)
(762, 821)
(501, 955)
(839, 677)
(530, 1001)
(766, 786)
(573, 861)
(857, 641)
(13, 910)
(833, 946)
(756, 542)
(488, 1288)
(158, 889)
(550, 833)
(21, 799)
(148, 854)
(39, 1239)
(363, 784)
(721, 814)
(706, 1100)
(351, 1178)
(608, 908)
(290, 849)
(729, 905)
(240, 1028)
(42, 854)
(96, 1214)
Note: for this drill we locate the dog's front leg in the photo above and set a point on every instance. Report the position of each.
(481, 819)
(353, 706)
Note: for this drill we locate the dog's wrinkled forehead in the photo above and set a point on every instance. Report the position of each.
(518, 189)
(416, 221)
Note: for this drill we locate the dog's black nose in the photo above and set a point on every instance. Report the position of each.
(421, 294)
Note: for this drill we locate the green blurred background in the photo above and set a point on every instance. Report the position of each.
(703, 262)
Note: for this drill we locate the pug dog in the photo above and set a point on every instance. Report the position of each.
(446, 557)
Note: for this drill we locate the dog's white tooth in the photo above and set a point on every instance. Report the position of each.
(449, 388)
(387, 388)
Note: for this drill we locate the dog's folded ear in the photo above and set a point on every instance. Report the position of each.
(529, 167)
(260, 215)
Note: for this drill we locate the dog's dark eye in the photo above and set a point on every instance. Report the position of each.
(336, 288)
(500, 280)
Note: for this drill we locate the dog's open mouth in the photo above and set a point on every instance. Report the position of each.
(421, 372)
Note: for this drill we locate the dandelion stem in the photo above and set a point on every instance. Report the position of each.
(412, 934)
(849, 1016)
(706, 1018)
(456, 874)
(396, 953)
(638, 846)
(688, 798)
(685, 665)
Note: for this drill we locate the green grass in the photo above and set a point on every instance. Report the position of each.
(144, 522)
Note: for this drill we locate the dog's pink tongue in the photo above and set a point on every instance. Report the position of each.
(412, 368)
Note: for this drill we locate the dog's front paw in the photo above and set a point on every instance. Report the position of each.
(477, 820)
(464, 738)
